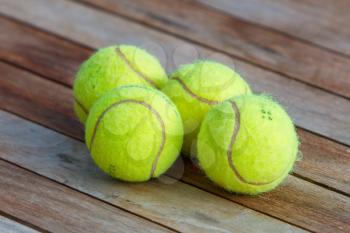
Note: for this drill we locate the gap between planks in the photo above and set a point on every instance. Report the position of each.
(9, 224)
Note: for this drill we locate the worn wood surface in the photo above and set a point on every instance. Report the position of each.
(41, 50)
(324, 23)
(230, 35)
(166, 201)
(10, 226)
(56, 208)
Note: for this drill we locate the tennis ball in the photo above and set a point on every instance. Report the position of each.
(112, 67)
(134, 133)
(195, 88)
(247, 144)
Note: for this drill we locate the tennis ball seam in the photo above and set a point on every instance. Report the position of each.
(135, 69)
(131, 66)
(161, 94)
(81, 106)
(194, 95)
(230, 149)
(199, 98)
(149, 107)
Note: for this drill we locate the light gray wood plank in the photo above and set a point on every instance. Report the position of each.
(10, 226)
(323, 22)
(52, 207)
(225, 32)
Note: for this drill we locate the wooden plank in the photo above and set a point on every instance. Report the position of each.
(10, 226)
(318, 21)
(297, 200)
(309, 212)
(312, 109)
(43, 54)
(31, 97)
(326, 159)
(174, 204)
(56, 208)
(247, 41)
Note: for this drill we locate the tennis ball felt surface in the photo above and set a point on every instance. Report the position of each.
(134, 133)
(247, 144)
(112, 67)
(195, 88)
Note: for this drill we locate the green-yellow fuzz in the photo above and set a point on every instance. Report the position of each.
(247, 144)
(134, 133)
(112, 67)
(195, 88)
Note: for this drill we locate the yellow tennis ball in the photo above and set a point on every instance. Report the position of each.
(112, 67)
(195, 88)
(247, 144)
(134, 133)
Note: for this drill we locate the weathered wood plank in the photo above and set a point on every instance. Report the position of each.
(174, 204)
(22, 93)
(323, 22)
(10, 226)
(225, 33)
(296, 200)
(43, 54)
(304, 213)
(311, 108)
(326, 159)
(54, 207)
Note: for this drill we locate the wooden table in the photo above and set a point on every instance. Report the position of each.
(297, 50)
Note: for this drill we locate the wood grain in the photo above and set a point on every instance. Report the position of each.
(10, 226)
(56, 208)
(326, 159)
(308, 212)
(43, 54)
(65, 160)
(311, 108)
(246, 41)
(296, 200)
(317, 21)
(31, 96)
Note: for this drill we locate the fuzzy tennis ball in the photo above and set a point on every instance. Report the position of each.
(247, 144)
(112, 67)
(195, 88)
(134, 133)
